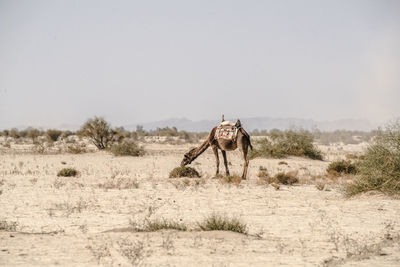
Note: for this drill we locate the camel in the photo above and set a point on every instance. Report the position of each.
(242, 141)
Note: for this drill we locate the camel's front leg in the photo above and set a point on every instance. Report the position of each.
(215, 150)
(225, 162)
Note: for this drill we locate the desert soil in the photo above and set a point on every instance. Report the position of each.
(87, 220)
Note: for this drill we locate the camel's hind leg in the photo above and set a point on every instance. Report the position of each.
(246, 162)
(215, 150)
(225, 161)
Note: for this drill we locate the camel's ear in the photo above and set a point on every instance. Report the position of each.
(238, 123)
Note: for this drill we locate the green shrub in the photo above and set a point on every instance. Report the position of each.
(52, 134)
(184, 171)
(67, 172)
(281, 144)
(127, 149)
(217, 222)
(342, 167)
(380, 167)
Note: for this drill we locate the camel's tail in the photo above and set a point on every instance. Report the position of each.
(248, 137)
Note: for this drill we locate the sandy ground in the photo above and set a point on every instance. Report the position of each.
(85, 220)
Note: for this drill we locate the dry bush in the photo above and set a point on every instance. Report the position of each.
(98, 131)
(380, 169)
(76, 149)
(67, 172)
(282, 163)
(8, 226)
(33, 133)
(184, 171)
(320, 186)
(351, 156)
(264, 177)
(127, 148)
(68, 208)
(282, 144)
(14, 133)
(39, 147)
(52, 135)
(183, 184)
(342, 167)
(133, 251)
(217, 222)
(230, 179)
(287, 178)
(66, 134)
(7, 144)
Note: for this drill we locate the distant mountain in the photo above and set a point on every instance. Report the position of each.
(260, 123)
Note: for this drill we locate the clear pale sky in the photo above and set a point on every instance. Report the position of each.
(139, 61)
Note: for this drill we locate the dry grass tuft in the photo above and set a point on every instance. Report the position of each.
(157, 225)
(231, 179)
(217, 222)
(120, 183)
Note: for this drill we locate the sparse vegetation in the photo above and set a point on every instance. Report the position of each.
(67, 172)
(282, 144)
(184, 171)
(380, 168)
(120, 183)
(230, 179)
(8, 226)
(341, 167)
(217, 222)
(157, 225)
(127, 148)
(287, 178)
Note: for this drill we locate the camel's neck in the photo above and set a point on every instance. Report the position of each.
(199, 150)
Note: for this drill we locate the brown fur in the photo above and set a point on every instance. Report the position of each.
(242, 142)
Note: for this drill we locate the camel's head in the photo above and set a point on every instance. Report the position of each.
(188, 157)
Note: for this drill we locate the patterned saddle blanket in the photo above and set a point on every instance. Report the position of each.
(226, 130)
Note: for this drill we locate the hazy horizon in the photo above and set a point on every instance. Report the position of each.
(62, 62)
